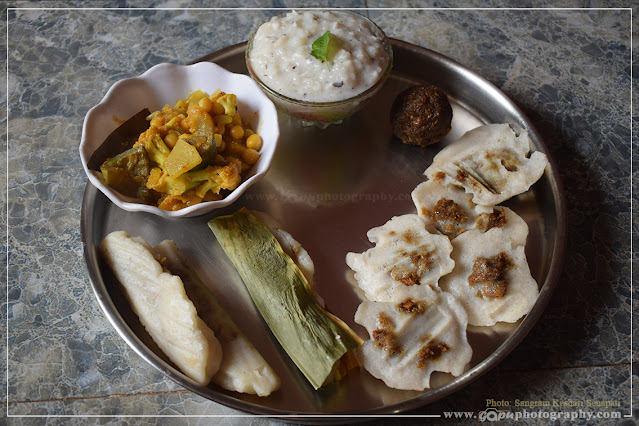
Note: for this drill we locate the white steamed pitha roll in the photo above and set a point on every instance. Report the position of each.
(492, 162)
(159, 300)
(491, 278)
(406, 261)
(243, 369)
(411, 339)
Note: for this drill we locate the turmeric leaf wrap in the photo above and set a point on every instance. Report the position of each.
(313, 338)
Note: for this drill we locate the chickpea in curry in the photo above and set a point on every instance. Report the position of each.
(195, 151)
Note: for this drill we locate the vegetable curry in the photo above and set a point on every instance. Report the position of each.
(195, 151)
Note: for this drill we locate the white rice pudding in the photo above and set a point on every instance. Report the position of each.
(281, 55)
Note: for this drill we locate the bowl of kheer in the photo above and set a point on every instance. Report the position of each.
(319, 66)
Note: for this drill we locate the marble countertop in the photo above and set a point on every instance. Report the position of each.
(568, 69)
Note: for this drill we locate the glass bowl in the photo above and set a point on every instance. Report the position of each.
(323, 114)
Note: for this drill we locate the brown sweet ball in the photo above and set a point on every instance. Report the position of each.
(421, 115)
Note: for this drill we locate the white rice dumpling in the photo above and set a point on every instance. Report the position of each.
(411, 339)
(243, 369)
(407, 260)
(159, 300)
(492, 162)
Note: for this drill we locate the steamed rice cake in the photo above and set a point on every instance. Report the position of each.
(406, 261)
(491, 277)
(411, 339)
(492, 162)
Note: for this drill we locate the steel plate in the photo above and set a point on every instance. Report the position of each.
(329, 187)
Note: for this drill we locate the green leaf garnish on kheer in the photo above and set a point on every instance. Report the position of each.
(319, 48)
(313, 338)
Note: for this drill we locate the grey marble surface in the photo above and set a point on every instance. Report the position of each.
(568, 69)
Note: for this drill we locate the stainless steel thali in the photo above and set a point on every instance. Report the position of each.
(329, 187)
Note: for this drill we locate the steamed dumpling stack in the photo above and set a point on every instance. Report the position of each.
(476, 272)
(491, 277)
(414, 328)
(486, 166)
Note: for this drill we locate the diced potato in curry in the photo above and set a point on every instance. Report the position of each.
(195, 151)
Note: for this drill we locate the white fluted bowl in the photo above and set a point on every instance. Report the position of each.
(164, 84)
